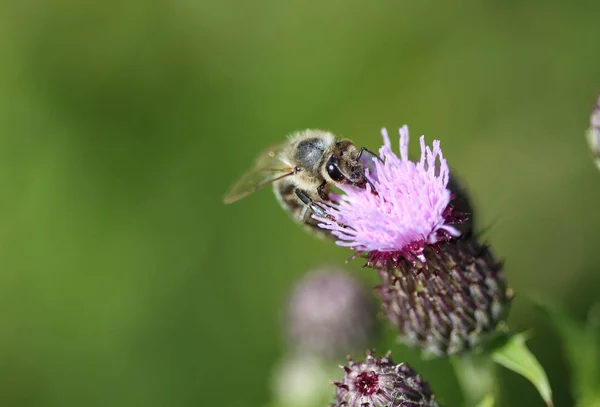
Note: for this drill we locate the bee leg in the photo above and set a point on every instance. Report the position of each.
(326, 195)
(315, 208)
(302, 215)
(323, 194)
(310, 204)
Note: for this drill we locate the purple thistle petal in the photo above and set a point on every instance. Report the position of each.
(408, 211)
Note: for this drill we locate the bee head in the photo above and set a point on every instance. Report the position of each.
(344, 167)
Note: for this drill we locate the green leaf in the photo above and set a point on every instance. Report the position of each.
(582, 346)
(488, 401)
(515, 355)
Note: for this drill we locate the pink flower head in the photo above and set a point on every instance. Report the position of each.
(409, 209)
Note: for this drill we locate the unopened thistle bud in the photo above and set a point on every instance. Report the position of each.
(329, 314)
(593, 133)
(447, 305)
(379, 382)
(440, 288)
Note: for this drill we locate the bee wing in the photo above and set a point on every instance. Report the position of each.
(269, 167)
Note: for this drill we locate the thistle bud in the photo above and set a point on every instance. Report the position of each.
(379, 382)
(329, 314)
(446, 305)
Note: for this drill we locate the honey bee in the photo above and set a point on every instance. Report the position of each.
(302, 171)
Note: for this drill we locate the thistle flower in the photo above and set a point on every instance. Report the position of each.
(409, 211)
(442, 290)
(379, 382)
(593, 133)
(329, 314)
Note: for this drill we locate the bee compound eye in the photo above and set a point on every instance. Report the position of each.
(333, 170)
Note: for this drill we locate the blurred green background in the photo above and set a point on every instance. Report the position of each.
(124, 280)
